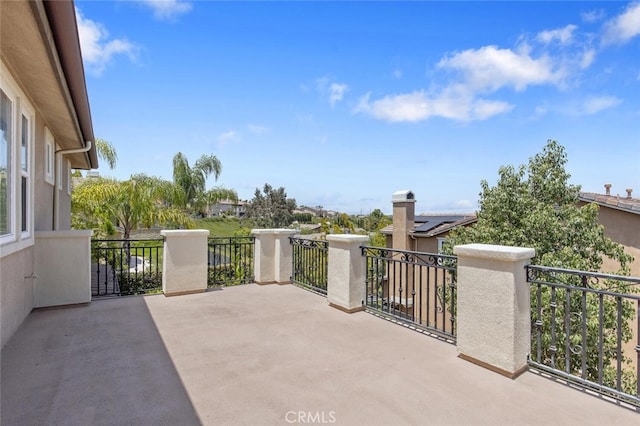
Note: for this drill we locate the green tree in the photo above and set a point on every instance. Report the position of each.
(377, 220)
(535, 206)
(271, 208)
(107, 152)
(192, 181)
(141, 201)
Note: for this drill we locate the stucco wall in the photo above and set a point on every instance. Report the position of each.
(16, 291)
(623, 228)
(427, 245)
(43, 191)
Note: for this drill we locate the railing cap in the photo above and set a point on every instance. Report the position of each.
(184, 232)
(73, 233)
(347, 238)
(278, 231)
(494, 252)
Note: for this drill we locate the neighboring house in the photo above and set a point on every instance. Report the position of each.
(45, 131)
(228, 207)
(425, 232)
(620, 216)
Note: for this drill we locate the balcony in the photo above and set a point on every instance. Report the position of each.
(273, 354)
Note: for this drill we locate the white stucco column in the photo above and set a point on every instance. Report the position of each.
(184, 261)
(493, 308)
(272, 261)
(284, 255)
(346, 272)
(62, 274)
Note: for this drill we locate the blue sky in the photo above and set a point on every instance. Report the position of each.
(343, 103)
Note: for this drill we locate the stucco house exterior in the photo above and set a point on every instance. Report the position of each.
(425, 232)
(620, 216)
(46, 131)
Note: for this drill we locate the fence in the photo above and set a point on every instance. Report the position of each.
(414, 287)
(230, 260)
(125, 267)
(310, 264)
(586, 328)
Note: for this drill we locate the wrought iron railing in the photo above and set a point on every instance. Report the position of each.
(309, 268)
(230, 261)
(586, 329)
(414, 287)
(125, 267)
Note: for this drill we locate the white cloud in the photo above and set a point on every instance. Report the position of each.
(167, 9)
(623, 27)
(453, 103)
(332, 90)
(587, 58)
(490, 68)
(97, 49)
(258, 130)
(563, 36)
(596, 104)
(336, 92)
(227, 137)
(592, 16)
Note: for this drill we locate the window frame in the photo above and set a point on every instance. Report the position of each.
(21, 182)
(26, 111)
(49, 157)
(69, 172)
(10, 236)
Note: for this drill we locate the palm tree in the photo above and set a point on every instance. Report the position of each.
(141, 201)
(106, 152)
(192, 181)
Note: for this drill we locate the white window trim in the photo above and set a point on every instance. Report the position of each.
(69, 171)
(58, 169)
(17, 240)
(49, 157)
(441, 241)
(29, 112)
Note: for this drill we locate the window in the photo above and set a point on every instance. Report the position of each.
(49, 156)
(6, 199)
(440, 244)
(25, 146)
(16, 166)
(69, 171)
(59, 169)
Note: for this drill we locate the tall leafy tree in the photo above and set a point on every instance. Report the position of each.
(141, 201)
(106, 152)
(192, 181)
(271, 208)
(534, 205)
(377, 220)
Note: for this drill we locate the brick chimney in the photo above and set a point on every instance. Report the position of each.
(629, 191)
(607, 187)
(404, 206)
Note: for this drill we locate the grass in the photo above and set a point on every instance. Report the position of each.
(220, 226)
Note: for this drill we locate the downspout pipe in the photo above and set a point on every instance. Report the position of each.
(58, 181)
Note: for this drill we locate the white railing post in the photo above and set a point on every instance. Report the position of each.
(346, 272)
(493, 308)
(184, 261)
(62, 274)
(273, 255)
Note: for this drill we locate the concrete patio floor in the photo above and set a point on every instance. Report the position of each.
(261, 355)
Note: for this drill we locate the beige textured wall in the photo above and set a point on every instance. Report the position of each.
(43, 191)
(184, 264)
(63, 265)
(16, 291)
(403, 222)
